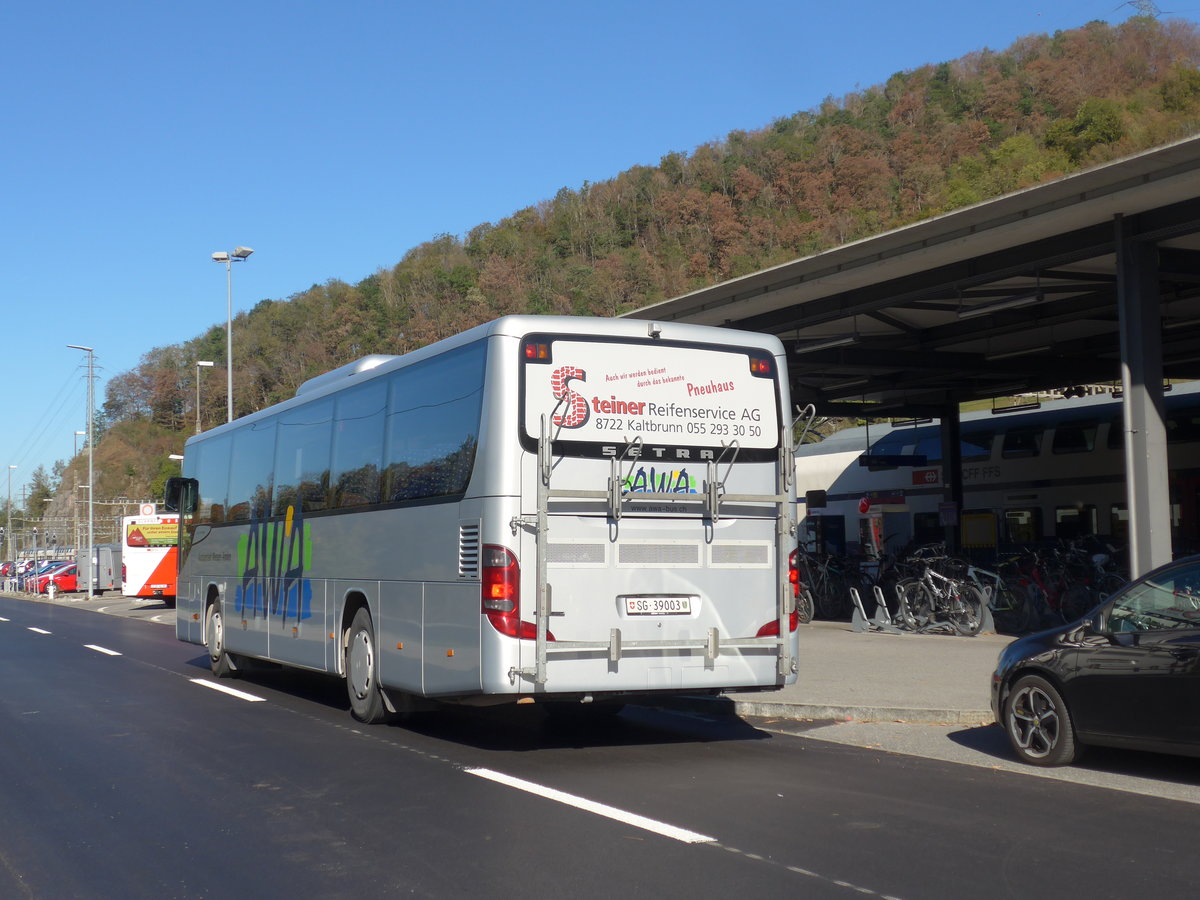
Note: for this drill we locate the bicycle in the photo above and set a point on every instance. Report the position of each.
(827, 581)
(934, 600)
(1011, 606)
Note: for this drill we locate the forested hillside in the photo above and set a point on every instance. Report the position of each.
(928, 141)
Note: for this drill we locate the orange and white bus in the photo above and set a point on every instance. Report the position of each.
(150, 555)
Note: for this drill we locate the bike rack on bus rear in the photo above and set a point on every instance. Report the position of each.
(712, 498)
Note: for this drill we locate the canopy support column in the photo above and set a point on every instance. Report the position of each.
(1147, 491)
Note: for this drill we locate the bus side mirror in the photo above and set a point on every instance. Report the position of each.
(180, 495)
(814, 499)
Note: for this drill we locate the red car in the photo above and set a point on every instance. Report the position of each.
(64, 578)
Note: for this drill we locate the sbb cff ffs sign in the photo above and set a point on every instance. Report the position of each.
(926, 476)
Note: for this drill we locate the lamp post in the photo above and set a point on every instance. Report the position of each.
(237, 254)
(200, 363)
(75, 496)
(91, 445)
(8, 529)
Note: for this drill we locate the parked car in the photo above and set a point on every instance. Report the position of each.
(64, 578)
(1126, 675)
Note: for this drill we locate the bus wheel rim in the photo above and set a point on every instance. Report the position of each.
(216, 641)
(360, 665)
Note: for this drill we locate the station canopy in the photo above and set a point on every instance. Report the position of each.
(1014, 295)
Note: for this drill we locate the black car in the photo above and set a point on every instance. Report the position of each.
(1126, 675)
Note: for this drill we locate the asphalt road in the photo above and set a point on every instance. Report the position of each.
(131, 776)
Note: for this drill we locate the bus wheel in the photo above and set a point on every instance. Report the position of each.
(362, 671)
(214, 635)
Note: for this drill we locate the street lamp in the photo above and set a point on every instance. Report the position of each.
(8, 530)
(200, 363)
(91, 445)
(75, 495)
(238, 254)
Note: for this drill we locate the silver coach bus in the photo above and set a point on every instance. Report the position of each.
(553, 509)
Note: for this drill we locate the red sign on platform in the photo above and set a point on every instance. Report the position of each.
(926, 476)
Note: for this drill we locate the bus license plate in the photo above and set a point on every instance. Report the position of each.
(658, 605)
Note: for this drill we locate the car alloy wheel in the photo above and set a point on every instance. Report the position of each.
(1039, 724)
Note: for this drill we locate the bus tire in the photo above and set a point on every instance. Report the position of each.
(362, 671)
(220, 659)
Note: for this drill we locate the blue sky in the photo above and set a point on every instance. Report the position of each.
(331, 138)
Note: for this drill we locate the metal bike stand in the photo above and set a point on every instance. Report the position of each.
(881, 621)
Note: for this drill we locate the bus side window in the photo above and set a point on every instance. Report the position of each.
(302, 457)
(358, 433)
(433, 426)
(212, 473)
(250, 472)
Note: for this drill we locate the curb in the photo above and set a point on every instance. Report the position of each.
(820, 712)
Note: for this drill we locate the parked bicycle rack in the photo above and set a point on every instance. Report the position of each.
(881, 621)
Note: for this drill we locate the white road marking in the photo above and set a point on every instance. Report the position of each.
(2, 619)
(38, 630)
(233, 692)
(100, 649)
(600, 809)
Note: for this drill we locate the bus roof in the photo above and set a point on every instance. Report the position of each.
(510, 326)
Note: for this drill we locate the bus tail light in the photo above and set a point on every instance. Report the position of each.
(501, 594)
(771, 629)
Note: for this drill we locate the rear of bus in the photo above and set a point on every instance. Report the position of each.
(150, 556)
(651, 545)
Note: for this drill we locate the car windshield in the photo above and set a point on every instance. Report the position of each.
(1166, 600)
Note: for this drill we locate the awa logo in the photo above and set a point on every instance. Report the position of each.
(577, 407)
(271, 561)
(672, 482)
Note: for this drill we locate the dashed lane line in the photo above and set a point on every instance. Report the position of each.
(103, 650)
(600, 809)
(233, 692)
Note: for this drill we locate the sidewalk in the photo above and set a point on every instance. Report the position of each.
(877, 677)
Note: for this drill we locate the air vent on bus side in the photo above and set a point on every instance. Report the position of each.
(468, 549)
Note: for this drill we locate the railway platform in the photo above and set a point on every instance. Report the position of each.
(879, 677)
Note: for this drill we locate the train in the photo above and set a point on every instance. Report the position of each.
(1040, 473)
